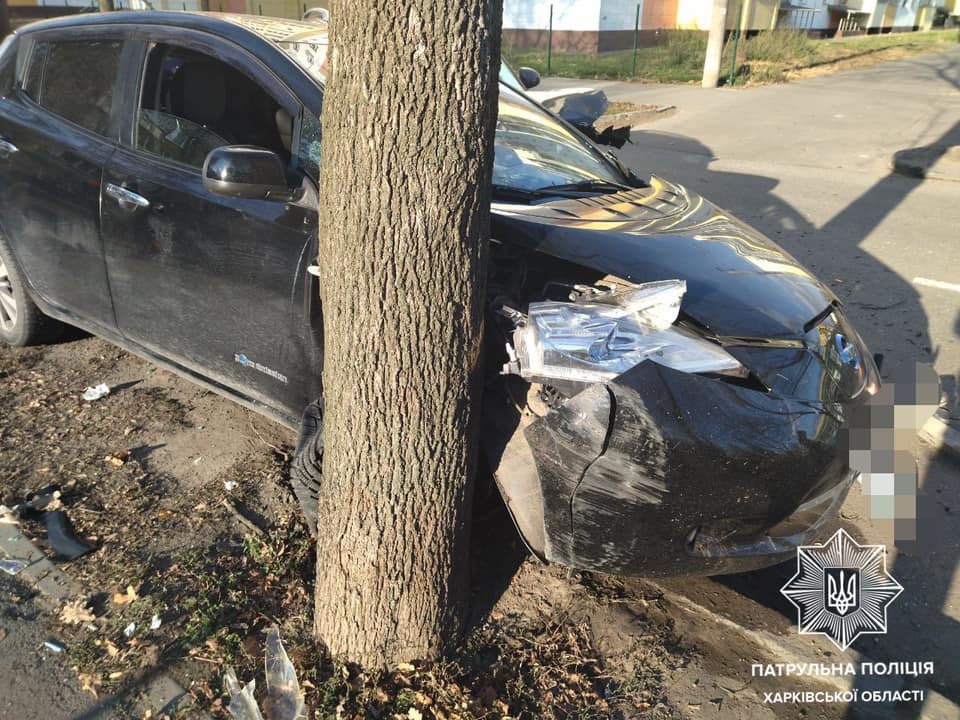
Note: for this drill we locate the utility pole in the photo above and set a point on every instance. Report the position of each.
(718, 28)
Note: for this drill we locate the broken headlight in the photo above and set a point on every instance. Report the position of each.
(608, 333)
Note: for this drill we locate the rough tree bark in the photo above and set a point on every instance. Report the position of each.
(408, 122)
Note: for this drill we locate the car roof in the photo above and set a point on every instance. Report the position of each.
(235, 26)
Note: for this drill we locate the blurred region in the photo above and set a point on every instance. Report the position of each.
(882, 441)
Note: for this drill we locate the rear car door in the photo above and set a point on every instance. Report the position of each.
(59, 128)
(214, 284)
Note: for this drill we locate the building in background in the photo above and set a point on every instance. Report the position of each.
(604, 25)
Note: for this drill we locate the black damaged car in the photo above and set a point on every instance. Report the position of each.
(667, 386)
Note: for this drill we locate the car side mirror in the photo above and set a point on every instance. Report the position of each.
(246, 171)
(528, 77)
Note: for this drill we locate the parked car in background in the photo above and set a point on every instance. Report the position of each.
(667, 386)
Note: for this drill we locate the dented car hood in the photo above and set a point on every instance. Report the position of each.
(739, 282)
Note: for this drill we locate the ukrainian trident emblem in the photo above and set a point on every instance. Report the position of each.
(841, 589)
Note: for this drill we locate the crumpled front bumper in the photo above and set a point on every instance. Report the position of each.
(660, 472)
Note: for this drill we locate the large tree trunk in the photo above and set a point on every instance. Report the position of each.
(408, 122)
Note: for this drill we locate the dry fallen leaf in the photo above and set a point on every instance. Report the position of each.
(125, 598)
(76, 613)
(90, 683)
(112, 650)
(405, 667)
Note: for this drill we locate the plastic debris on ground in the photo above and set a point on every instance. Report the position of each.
(96, 392)
(130, 629)
(284, 700)
(12, 567)
(242, 705)
(155, 622)
(62, 538)
(55, 647)
(230, 485)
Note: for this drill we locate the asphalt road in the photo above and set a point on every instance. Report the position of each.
(808, 163)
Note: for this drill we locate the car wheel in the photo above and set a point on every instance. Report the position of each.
(307, 466)
(21, 322)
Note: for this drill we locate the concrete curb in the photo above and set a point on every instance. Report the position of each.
(935, 162)
(162, 695)
(938, 433)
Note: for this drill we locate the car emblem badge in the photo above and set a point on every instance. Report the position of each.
(842, 589)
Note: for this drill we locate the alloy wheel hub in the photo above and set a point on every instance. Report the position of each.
(8, 303)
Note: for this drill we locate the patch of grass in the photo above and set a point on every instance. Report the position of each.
(781, 46)
(678, 59)
(770, 56)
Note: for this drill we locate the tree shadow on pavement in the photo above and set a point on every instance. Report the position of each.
(888, 312)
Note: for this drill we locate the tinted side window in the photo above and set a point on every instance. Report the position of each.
(8, 64)
(75, 79)
(192, 103)
(33, 78)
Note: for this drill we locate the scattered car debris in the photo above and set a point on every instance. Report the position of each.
(582, 107)
(284, 700)
(13, 567)
(95, 393)
(46, 498)
(613, 136)
(62, 538)
(53, 646)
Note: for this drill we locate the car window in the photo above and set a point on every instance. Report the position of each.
(75, 79)
(8, 64)
(308, 151)
(191, 103)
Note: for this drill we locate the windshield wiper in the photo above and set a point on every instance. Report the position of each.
(564, 190)
(583, 186)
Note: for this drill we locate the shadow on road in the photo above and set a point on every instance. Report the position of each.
(887, 310)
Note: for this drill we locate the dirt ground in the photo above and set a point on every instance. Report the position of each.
(186, 499)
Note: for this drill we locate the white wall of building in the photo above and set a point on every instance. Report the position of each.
(567, 14)
(620, 14)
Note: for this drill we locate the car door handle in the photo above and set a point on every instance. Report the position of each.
(7, 149)
(127, 199)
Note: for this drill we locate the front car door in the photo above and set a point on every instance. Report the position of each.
(60, 129)
(214, 284)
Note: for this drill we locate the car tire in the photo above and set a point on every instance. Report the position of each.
(307, 466)
(21, 321)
